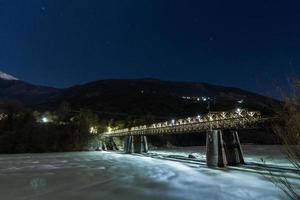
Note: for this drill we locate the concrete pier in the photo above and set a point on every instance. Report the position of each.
(215, 152)
(128, 144)
(136, 144)
(223, 148)
(108, 144)
(233, 148)
(103, 146)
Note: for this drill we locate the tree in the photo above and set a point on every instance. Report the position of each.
(64, 112)
(16, 129)
(288, 131)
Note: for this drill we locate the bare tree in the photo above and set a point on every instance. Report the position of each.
(288, 130)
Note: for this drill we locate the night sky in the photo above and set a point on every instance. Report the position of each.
(248, 44)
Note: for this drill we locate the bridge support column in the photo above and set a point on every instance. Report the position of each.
(113, 144)
(145, 147)
(239, 148)
(136, 144)
(109, 144)
(140, 144)
(125, 142)
(233, 148)
(215, 152)
(128, 144)
(103, 146)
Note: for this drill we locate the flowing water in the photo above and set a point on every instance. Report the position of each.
(161, 174)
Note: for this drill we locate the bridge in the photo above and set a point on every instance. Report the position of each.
(223, 146)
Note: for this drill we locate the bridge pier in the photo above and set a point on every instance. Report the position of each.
(215, 152)
(108, 144)
(113, 144)
(233, 148)
(136, 144)
(103, 146)
(128, 144)
(223, 148)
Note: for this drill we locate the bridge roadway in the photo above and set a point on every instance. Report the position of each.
(222, 143)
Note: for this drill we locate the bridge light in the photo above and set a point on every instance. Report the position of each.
(198, 116)
(109, 129)
(238, 110)
(93, 130)
(45, 120)
(173, 121)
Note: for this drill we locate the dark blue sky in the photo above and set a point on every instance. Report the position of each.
(247, 44)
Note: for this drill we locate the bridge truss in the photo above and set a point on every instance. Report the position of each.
(235, 119)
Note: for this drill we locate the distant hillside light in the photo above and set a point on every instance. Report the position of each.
(241, 101)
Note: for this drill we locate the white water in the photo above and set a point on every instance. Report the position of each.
(107, 175)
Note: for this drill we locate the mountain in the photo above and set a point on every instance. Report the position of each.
(135, 97)
(160, 98)
(157, 100)
(12, 88)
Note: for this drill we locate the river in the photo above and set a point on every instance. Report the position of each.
(166, 174)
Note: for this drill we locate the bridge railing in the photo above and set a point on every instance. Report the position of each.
(239, 118)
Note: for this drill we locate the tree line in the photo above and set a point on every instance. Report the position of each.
(25, 131)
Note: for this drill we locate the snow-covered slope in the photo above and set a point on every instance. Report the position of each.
(7, 77)
(14, 89)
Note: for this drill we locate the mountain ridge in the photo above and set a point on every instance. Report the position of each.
(142, 96)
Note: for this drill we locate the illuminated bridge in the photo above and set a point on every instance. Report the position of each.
(223, 145)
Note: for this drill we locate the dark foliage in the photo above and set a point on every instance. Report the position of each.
(20, 133)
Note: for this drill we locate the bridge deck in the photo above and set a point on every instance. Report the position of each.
(214, 120)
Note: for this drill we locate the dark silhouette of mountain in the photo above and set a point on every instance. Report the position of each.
(138, 97)
(156, 100)
(17, 90)
(161, 98)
